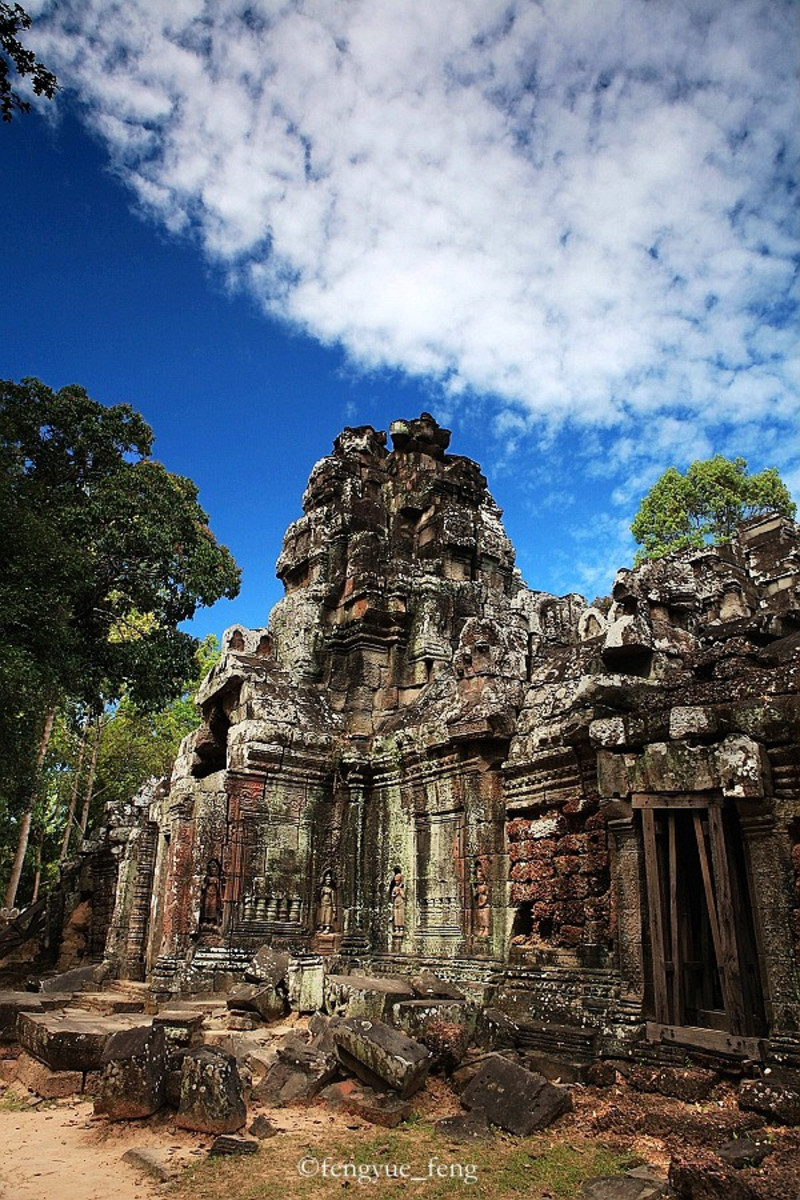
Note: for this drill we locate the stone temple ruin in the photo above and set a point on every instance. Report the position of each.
(588, 817)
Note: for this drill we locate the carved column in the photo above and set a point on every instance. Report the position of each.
(770, 880)
(627, 893)
(355, 939)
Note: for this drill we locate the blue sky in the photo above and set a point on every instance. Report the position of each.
(567, 229)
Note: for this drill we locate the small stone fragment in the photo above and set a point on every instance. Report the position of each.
(226, 1143)
(379, 1108)
(262, 1128)
(154, 1162)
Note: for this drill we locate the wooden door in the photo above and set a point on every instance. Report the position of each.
(703, 963)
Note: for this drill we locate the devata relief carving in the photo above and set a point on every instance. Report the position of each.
(590, 812)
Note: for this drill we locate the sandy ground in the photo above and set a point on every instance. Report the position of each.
(58, 1152)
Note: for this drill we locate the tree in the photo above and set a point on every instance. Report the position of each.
(705, 505)
(14, 57)
(104, 553)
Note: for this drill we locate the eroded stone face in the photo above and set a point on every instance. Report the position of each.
(422, 761)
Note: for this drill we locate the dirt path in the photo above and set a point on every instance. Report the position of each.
(57, 1152)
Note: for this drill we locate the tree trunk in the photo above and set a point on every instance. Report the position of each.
(87, 799)
(27, 817)
(73, 799)
(37, 879)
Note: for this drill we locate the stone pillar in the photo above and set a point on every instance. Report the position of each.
(627, 896)
(355, 939)
(770, 879)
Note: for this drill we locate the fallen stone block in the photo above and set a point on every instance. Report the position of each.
(268, 966)
(299, 1074)
(50, 1085)
(152, 1161)
(181, 1028)
(226, 1143)
(11, 1005)
(335, 1093)
(466, 1127)
(267, 1002)
(444, 1026)
(515, 1099)
(382, 1056)
(211, 1092)
(468, 1070)
(322, 1029)
(495, 1031)
(133, 1080)
(306, 977)
(379, 1108)
(363, 996)
(773, 1099)
(427, 986)
(106, 1003)
(71, 1039)
(240, 1022)
(76, 980)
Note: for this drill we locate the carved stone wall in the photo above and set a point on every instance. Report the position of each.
(421, 759)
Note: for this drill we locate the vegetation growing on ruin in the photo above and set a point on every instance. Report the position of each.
(705, 505)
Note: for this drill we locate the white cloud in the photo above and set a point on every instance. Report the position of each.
(584, 210)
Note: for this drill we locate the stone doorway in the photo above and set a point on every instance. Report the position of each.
(703, 961)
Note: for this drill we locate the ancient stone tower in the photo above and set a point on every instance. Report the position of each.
(590, 815)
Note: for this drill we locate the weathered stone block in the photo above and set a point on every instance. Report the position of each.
(211, 1092)
(364, 996)
(379, 1108)
(11, 1005)
(152, 1161)
(50, 1085)
(306, 983)
(268, 1002)
(427, 986)
(133, 1079)
(181, 1028)
(375, 1051)
(268, 966)
(71, 1040)
(515, 1099)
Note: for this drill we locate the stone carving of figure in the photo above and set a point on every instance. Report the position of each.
(326, 912)
(211, 896)
(398, 895)
(482, 909)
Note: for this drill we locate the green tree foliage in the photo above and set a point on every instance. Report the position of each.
(705, 505)
(104, 553)
(15, 58)
(133, 745)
